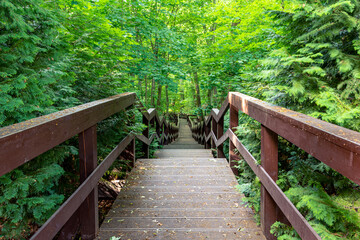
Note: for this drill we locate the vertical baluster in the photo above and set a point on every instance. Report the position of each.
(195, 131)
(71, 227)
(158, 131)
(145, 147)
(166, 131)
(220, 132)
(269, 161)
(162, 131)
(129, 154)
(207, 132)
(170, 133)
(198, 133)
(173, 132)
(214, 129)
(234, 122)
(89, 223)
(203, 126)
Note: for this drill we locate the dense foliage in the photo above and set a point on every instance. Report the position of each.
(181, 56)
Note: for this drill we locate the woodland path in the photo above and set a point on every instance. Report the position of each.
(183, 193)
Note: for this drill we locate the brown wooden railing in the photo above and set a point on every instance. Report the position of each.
(335, 146)
(22, 142)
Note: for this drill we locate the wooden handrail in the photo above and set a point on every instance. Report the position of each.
(335, 146)
(22, 142)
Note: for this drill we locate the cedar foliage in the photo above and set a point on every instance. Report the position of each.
(181, 56)
(31, 71)
(315, 71)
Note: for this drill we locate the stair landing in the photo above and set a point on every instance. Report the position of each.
(184, 193)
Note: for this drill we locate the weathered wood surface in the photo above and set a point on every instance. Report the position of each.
(184, 141)
(185, 193)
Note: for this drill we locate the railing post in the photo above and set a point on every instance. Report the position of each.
(198, 131)
(203, 126)
(166, 132)
(131, 151)
(89, 222)
(207, 132)
(158, 131)
(269, 161)
(70, 229)
(234, 122)
(173, 132)
(145, 147)
(214, 129)
(195, 131)
(162, 130)
(170, 133)
(220, 132)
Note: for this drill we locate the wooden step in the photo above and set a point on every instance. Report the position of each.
(183, 193)
(183, 234)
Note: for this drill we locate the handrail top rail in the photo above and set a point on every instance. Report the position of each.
(253, 107)
(336, 146)
(35, 122)
(24, 141)
(308, 123)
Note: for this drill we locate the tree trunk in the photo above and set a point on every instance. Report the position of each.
(210, 96)
(146, 99)
(140, 86)
(153, 93)
(198, 97)
(215, 97)
(182, 91)
(159, 96)
(167, 98)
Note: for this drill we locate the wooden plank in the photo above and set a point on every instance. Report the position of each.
(335, 146)
(214, 132)
(89, 214)
(220, 113)
(299, 223)
(23, 141)
(220, 132)
(269, 161)
(234, 122)
(152, 112)
(186, 193)
(207, 120)
(148, 141)
(145, 146)
(62, 215)
(289, 210)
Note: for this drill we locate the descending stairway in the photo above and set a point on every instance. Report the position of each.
(184, 193)
(185, 140)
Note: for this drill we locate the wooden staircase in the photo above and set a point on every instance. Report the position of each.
(184, 193)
